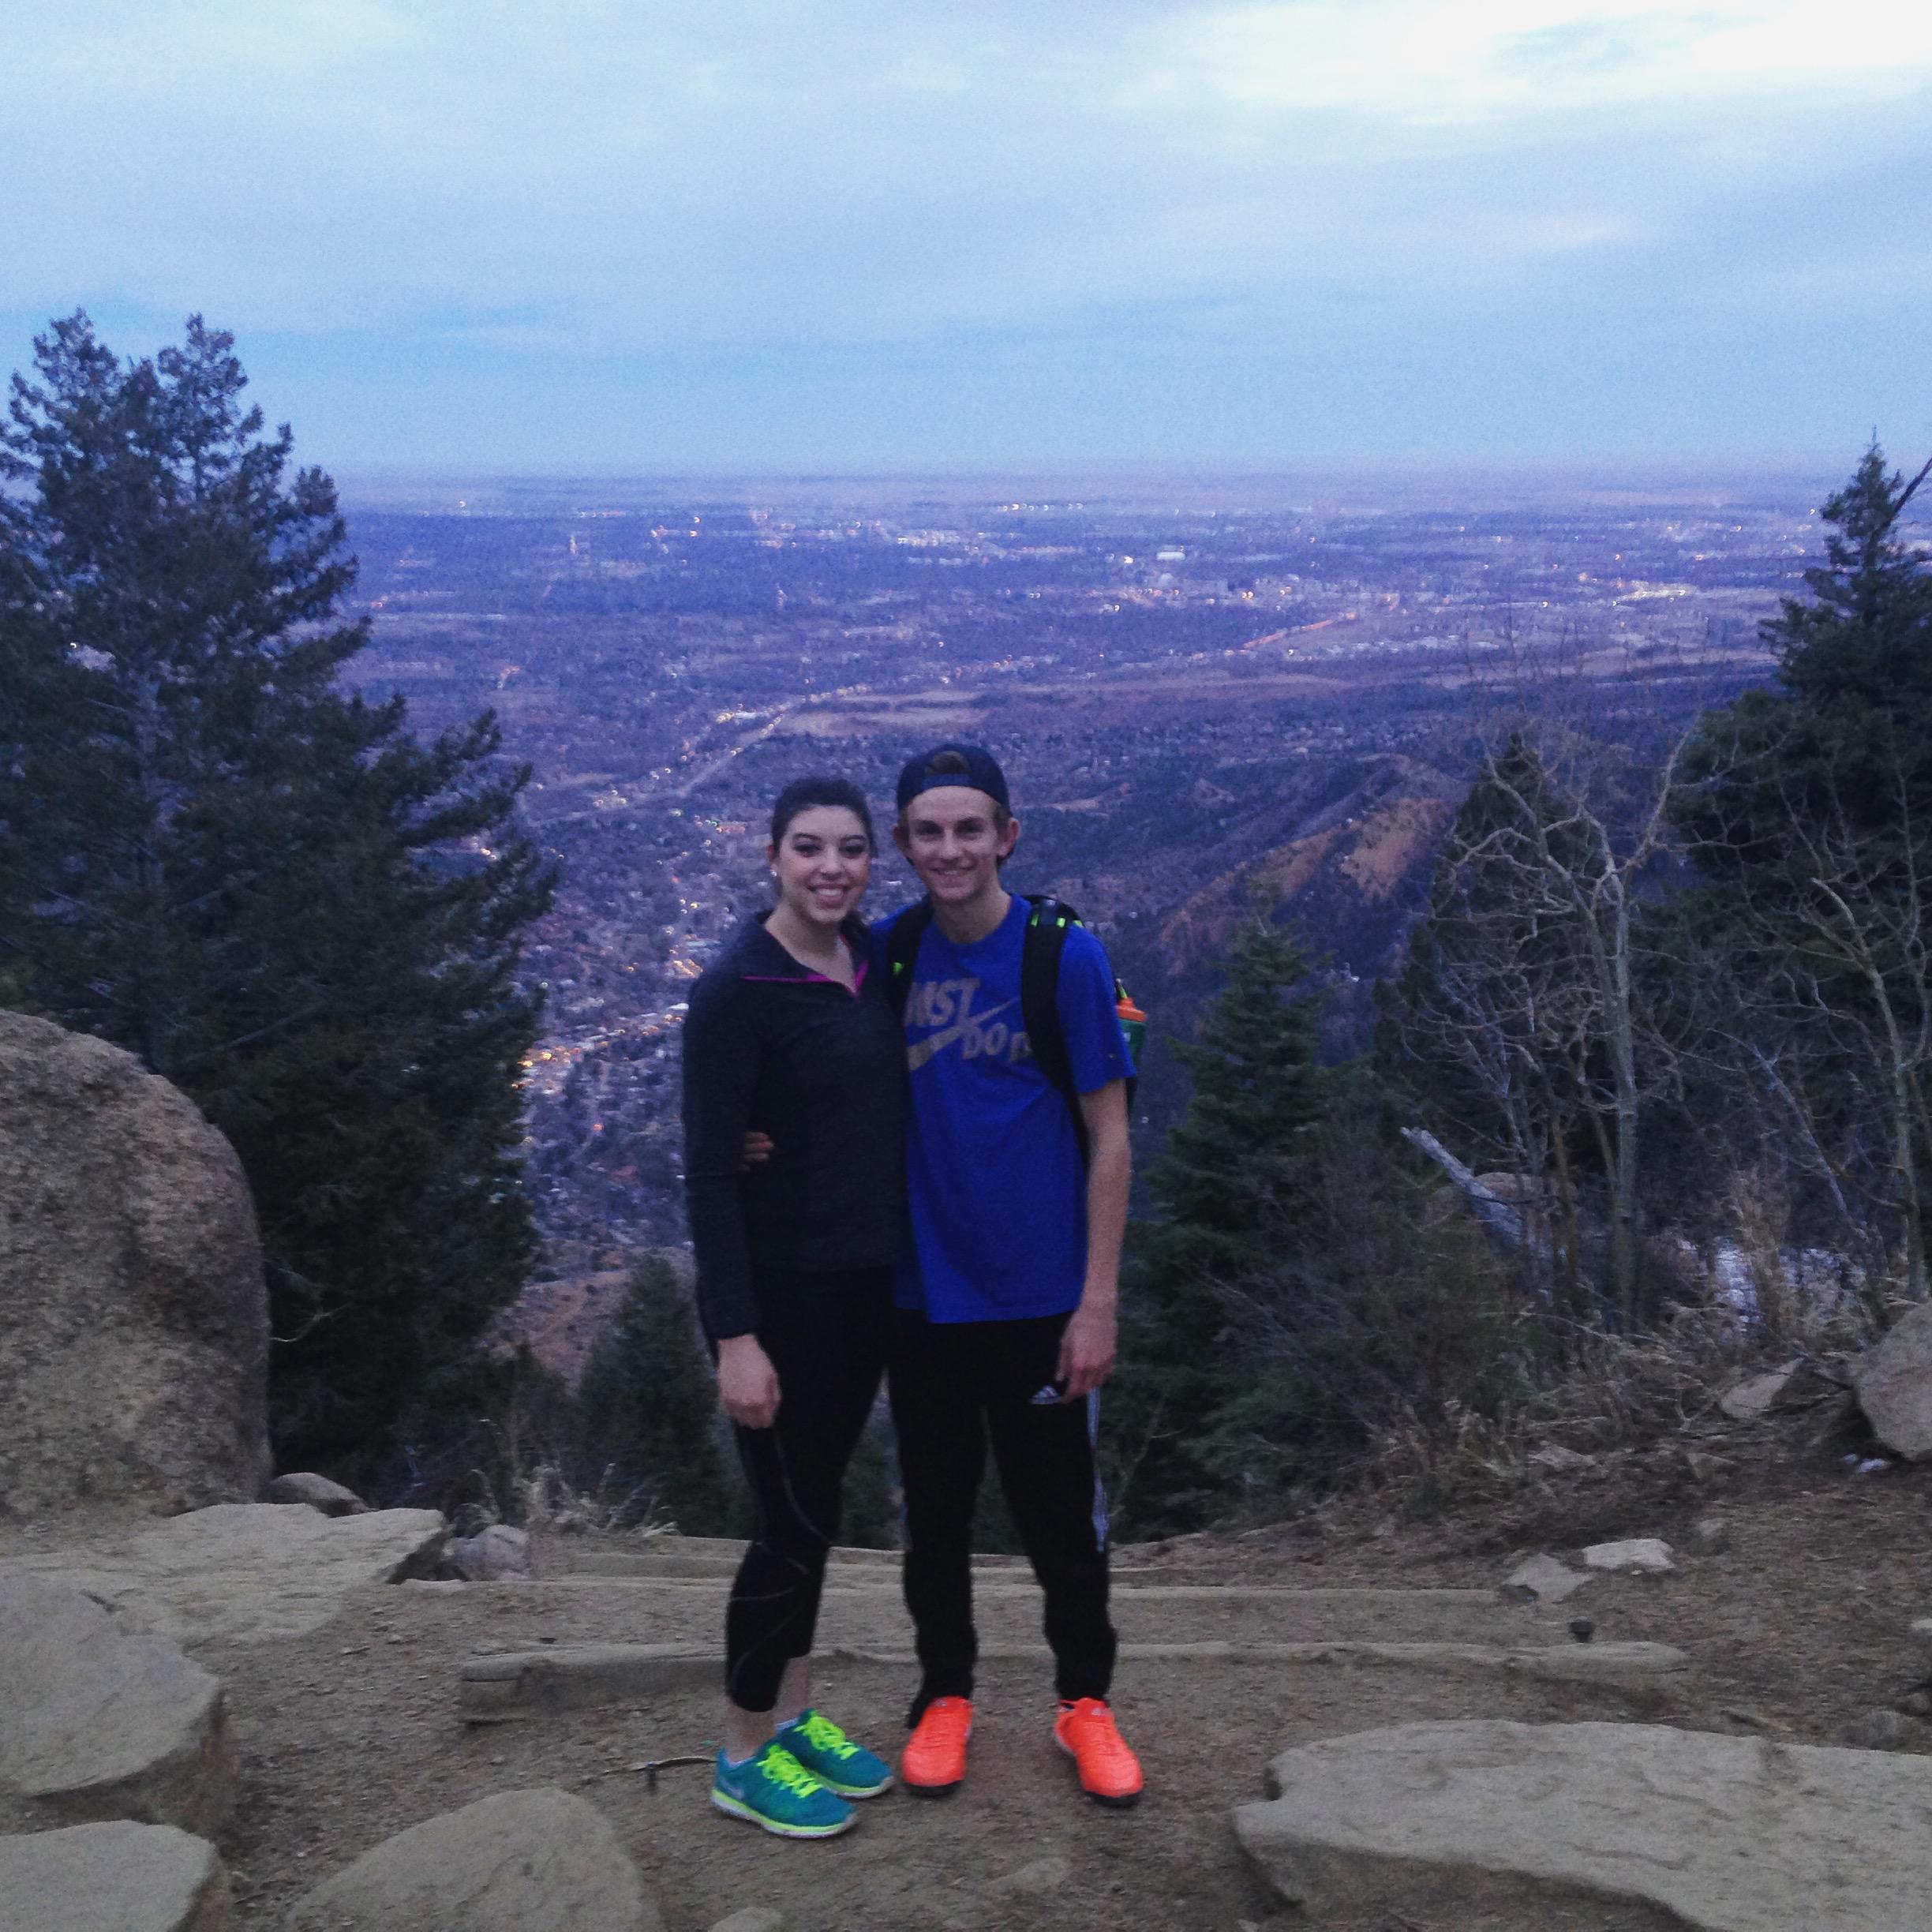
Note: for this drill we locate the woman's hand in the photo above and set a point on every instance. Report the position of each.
(747, 1382)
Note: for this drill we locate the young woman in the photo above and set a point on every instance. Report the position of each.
(788, 1035)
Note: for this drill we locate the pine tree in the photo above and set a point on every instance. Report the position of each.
(214, 854)
(1811, 819)
(1235, 1178)
(1848, 727)
(647, 1411)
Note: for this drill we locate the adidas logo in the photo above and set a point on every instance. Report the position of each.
(1044, 1397)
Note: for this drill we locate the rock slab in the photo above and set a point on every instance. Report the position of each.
(1544, 1579)
(1729, 1834)
(134, 1319)
(1643, 1555)
(112, 1878)
(95, 1723)
(524, 1861)
(244, 1572)
(1894, 1383)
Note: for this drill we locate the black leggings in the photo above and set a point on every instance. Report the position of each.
(956, 1386)
(826, 1335)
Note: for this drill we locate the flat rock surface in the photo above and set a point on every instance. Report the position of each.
(97, 1723)
(243, 1571)
(111, 1878)
(1728, 1834)
(521, 1861)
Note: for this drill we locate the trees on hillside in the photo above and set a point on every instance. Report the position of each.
(212, 854)
(1810, 816)
(1520, 1007)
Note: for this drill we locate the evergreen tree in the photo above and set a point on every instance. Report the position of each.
(647, 1411)
(1237, 1174)
(213, 854)
(1811, 819)
(1845, 740)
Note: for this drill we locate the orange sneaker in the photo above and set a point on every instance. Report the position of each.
(1109, 1773)
(933, 1764)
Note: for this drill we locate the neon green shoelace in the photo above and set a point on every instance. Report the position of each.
(823, 1734)
(785, 1771)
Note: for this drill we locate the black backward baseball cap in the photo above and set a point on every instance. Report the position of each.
(957, 764)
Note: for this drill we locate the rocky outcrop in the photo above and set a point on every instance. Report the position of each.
(525, 1861)
(247, 1572)
(133, 1322)
(112, 1878)
(95, 1723)
(1894, 1385)
(1728, 1834)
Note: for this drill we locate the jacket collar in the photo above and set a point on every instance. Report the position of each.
(759, 956)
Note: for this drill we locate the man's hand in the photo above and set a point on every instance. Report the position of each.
(754, 1151)
(1086, 1351)
(747, 1382)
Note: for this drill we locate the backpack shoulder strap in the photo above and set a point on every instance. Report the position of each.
(902, 945)
(1048, 921)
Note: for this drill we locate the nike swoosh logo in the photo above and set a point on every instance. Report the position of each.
(917, 1055)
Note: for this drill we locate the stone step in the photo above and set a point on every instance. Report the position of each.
(856, 1565)
(869, 1616)
(527, 1683)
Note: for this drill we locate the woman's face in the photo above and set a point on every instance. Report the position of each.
(822, 861)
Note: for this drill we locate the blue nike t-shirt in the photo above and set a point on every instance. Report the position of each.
(995, 1182)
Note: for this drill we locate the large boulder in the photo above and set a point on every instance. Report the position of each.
(1894, 1384)
(95, 1723)
(524, 1861)
(112, 1878)
(133, 1321)
(1728, 1834)
(241, 1572)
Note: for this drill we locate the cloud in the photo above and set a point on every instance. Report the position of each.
(593, 179)
(764, 169)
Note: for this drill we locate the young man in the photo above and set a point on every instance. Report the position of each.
(1003, 1322)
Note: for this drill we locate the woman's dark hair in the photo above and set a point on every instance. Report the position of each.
(821, 788)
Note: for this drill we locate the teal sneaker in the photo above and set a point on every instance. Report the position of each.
(774, 1791)
(832, 1759)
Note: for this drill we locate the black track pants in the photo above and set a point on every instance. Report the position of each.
(956, 1387)
(826, 1335)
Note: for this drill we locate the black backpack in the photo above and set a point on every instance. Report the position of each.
(1047, 924)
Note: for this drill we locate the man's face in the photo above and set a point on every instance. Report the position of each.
(954, 838)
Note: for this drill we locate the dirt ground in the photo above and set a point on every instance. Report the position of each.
(1796, 1626)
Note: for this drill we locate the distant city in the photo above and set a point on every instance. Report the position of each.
(1269, 693)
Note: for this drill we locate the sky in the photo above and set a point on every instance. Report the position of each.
(852, 235)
